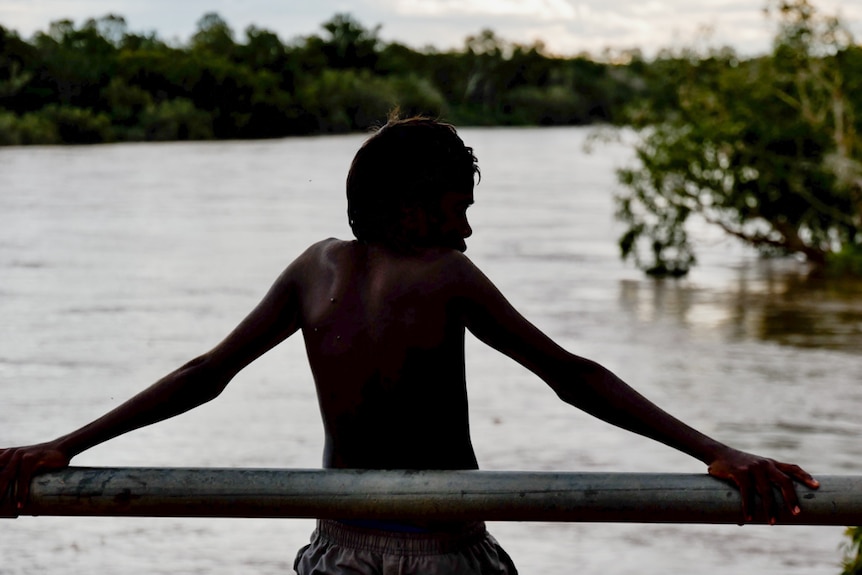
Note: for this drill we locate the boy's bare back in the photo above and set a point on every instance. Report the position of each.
(385, 340)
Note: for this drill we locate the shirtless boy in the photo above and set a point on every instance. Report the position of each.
(384, 318)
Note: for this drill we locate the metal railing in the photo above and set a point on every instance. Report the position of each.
(431, 495)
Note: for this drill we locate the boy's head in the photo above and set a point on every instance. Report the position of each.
(398, 180)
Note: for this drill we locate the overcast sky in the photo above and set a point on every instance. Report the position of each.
(565, 26)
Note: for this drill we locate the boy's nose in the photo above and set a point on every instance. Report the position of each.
(467, 231)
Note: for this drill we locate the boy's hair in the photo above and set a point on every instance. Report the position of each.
(407, 164)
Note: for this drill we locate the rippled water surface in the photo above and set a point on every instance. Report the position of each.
(118, 263)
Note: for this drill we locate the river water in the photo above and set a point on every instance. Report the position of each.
(120, 262)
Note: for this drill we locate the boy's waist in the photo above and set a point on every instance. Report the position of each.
(402, 537)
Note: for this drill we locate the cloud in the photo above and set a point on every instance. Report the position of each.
(564, 26)
(574, 26)
(537, 9)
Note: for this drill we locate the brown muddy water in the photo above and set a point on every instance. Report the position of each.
(120, 262)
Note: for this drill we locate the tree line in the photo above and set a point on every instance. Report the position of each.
(101, 82)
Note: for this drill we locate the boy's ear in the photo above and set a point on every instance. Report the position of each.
(414, 221)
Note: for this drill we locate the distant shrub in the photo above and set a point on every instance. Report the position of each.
(76, 125)
(350, 100)
(9, 129)
(176, 120)
(417, 96)
(29, 129)
(553, 105)
(126, 103)
(346, 100)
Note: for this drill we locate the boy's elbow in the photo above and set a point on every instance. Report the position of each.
(558, 377)
(568, 392)
(575, 380)
(206, 376)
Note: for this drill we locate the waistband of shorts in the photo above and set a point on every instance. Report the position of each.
(401, 543)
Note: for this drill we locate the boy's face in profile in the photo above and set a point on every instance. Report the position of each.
(449, 226)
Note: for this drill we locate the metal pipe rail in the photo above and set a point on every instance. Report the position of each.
(437, 495)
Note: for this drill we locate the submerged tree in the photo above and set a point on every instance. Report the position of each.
(766, 149)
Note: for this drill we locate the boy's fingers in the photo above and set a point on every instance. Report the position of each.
(784, 476)
(34, 463)
(799, 474)
(768, 504)
(16, 477)
(747, 495)
(791, 500)
(17, 468)
(784, 480)
(8, 472)
(788, 490)
(22, 481)
(760, 480)
(743, 484)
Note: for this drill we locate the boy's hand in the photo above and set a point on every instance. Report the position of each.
(18, 465)
(758, 475)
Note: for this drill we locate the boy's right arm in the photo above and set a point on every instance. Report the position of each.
(275, 318)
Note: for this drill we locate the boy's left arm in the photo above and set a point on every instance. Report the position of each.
(594, 389)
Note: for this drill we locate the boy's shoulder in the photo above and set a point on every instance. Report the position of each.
(447, 266)
(321, 250)
(336, 248)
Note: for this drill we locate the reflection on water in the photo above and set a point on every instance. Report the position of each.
(772, 301)
(814, 312)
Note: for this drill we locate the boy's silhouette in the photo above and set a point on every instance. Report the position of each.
(384, 318)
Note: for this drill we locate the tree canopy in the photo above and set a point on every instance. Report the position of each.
(767, 149)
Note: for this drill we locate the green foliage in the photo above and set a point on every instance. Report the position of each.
(27, 130)
(417, 96)
(554, 105)
(15, 57)
(853, 552)
(176, 120)
(78, 125)
(125, 103)
(75, 64)
(214, 36)
(846, 262)
(349, 45)
(62, 85)
(55, 125)
(766, 149)
(345, 100)
(350, 100)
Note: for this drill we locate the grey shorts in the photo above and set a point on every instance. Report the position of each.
(339, 549)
